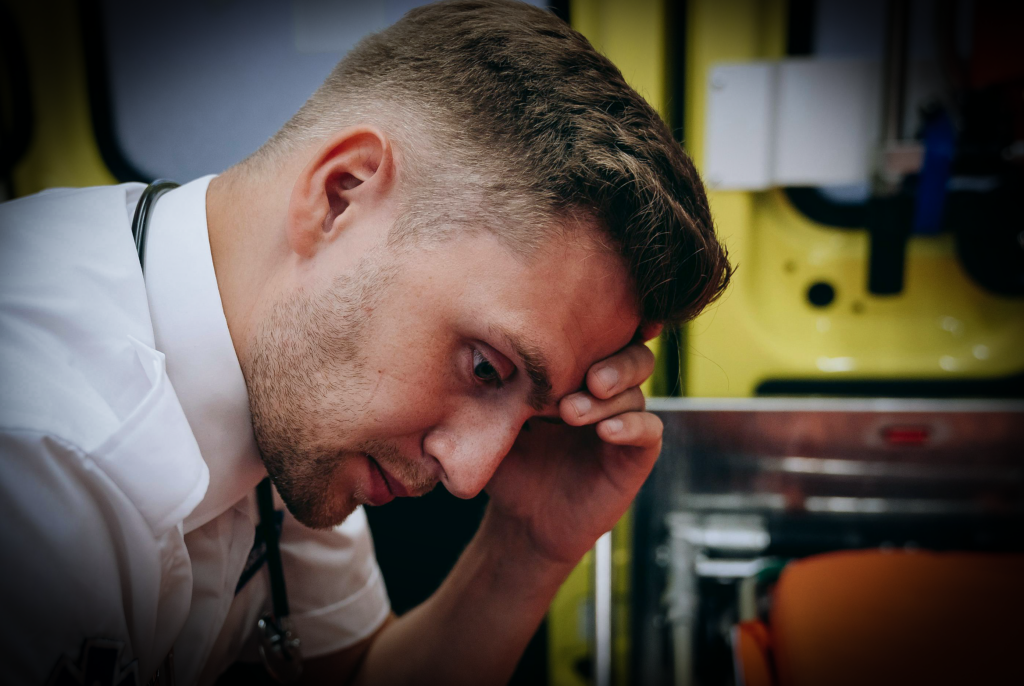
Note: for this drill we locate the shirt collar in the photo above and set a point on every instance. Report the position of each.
(192, 332)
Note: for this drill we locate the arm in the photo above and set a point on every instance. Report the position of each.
(559, 489)
(475, 627)
(472, 630)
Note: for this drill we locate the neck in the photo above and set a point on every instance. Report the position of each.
(246, 212)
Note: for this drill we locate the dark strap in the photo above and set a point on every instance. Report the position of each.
(268, 529)
(140, 222)
(278, 593)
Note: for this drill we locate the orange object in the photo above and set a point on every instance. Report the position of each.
(890, 617)
(752, 651)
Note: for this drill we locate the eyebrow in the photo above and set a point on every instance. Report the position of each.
(535, 365)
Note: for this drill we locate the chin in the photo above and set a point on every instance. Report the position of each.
(323, 504)
(326, 515)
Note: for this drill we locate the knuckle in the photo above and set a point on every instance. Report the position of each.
(636, 397)
(629, 365)
(657, 424)
(647, 360)
(643, 365)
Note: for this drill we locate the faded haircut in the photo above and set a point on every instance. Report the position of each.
(506, 118)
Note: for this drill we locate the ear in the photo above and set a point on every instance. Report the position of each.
(349, 177)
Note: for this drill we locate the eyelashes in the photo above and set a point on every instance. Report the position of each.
(484, 371)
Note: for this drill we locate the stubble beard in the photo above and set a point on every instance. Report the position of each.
(304, 373)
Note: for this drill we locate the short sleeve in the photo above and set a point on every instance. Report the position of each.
(336, 593)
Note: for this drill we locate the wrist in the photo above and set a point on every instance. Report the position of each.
(511, 541)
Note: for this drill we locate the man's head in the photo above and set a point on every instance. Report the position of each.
(481, 209)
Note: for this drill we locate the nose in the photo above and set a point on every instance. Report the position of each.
(470, 446)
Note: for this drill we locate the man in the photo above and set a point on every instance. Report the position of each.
(441, 270)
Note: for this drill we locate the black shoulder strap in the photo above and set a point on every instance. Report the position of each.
(140, 222)
(280, 645)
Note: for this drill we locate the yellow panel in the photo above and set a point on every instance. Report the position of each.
(942, 326)
(569, 620)
(632, 35)
(63, 149)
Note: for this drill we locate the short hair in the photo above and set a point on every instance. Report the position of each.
(512, 119)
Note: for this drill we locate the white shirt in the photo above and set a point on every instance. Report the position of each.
(127, 462)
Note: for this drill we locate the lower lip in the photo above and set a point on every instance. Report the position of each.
(395, 485)
(378, 493)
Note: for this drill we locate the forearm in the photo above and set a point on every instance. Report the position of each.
(475, 627)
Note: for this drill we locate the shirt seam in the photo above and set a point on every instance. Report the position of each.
(88, 460)
(84, 456)
(45, 433)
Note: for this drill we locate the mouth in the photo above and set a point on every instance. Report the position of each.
(395, 487)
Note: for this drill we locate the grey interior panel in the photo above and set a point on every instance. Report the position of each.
(197, 85)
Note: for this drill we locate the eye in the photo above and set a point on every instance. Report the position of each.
(484, 371)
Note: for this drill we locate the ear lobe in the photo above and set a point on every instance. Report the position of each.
(346, 179)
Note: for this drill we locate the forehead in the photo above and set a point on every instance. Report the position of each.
(570, 299)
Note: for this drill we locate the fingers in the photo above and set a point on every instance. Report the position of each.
(627, 368)
(583, 408)
(639, 429)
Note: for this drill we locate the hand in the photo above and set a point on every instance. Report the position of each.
(565, 484)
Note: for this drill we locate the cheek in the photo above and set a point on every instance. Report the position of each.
(415, 359)
(406, 399)
(409, 374)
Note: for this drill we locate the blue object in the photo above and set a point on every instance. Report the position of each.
(939, 145)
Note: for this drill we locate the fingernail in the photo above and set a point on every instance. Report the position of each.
(582, 405)
(613, 425)
(608, 376)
